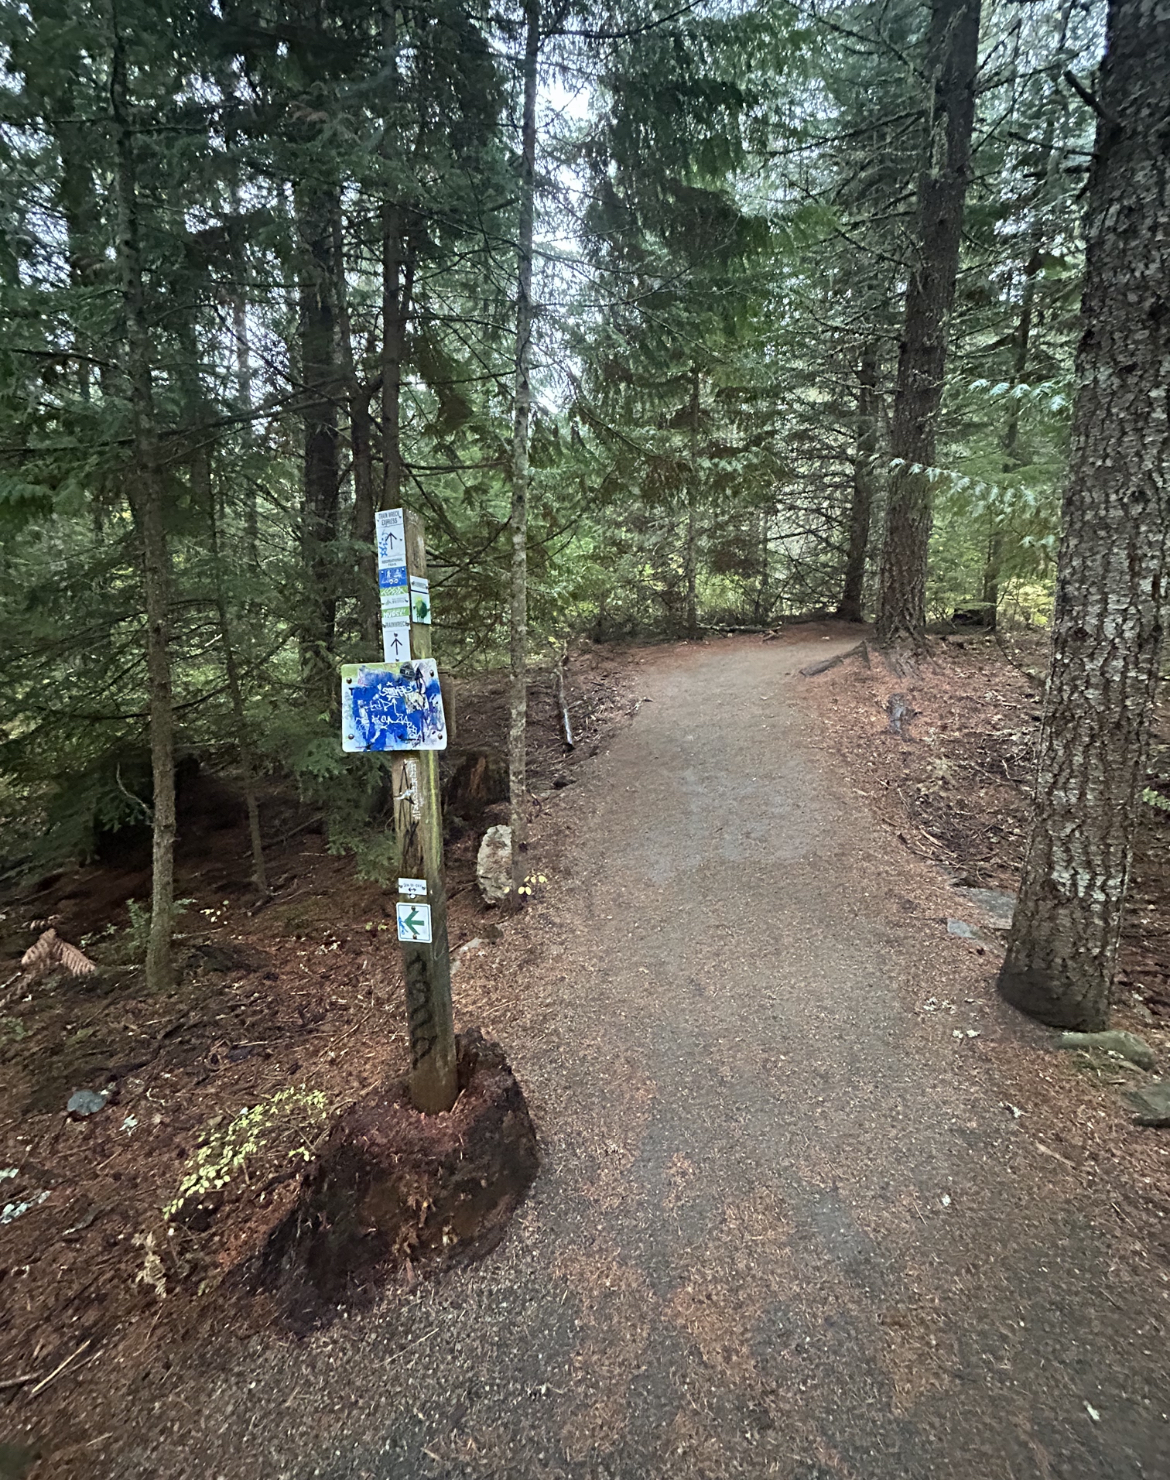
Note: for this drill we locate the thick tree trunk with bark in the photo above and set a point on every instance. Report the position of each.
(1110, 595)
(397, 288)
(322, 479)
(1048, 164)
(147, 501)
(359, 394)
(691, 544)
(522, 412)
(952, 56)
(244, 401)
(861, 505)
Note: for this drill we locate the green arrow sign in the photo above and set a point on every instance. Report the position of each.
(414, 923)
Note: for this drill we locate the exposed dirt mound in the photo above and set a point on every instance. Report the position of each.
(393, 1189)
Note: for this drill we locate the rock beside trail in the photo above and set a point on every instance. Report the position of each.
(493, 865)
(1113, 1040)
(1000, 904)
(1151, 1103)
(393, 1189)
(86, 1102)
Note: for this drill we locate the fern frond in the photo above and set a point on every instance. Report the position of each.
(50, 950)
(42, 953)
(75, 961)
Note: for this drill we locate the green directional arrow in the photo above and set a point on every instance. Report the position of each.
(413, 921)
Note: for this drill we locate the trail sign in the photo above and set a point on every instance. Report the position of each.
(395, 641)
(413, 888)
(414, 923)
(392, 706)
(420, 600)
(390, 531)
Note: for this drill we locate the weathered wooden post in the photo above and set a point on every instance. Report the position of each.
(397, 706)
(418, 821)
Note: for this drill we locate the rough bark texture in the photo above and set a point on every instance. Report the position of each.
(518, 626)
(1048, 166)
(861, 505)
(319, 372)
(952, 56)
(690, 546)
(235, 687)
(393, 1189)
(147, 497)
(418, 824)
(359, 394)
(1107, 632)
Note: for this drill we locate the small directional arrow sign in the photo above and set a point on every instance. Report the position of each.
(414, 923)
(396, 642)
(391, 537)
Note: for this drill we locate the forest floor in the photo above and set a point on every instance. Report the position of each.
(814, 1203)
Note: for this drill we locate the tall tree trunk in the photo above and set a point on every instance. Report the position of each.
(397, 289)
(244, 402)
(952, 56)
(762, 607)
(203, 497)
(322, 479)
(1048, 163)
(235, 694)
(521, 416)
(1110, 593)
(861, 505)
(147, 500)
(359, 394)
(79, 206)
(690, 547)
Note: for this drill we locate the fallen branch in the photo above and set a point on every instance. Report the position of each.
(56, 1372)
(1034, 679)
(860, 651)
(562, 705)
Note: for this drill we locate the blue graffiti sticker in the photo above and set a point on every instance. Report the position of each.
(392, 706)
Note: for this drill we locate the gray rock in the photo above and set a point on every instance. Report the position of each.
(999, 903)
(1151, 1103)
(1113, 1040)
(962, 930)
(85, 1102)
(493, 864)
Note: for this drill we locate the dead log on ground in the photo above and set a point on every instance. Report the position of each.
(860, 651)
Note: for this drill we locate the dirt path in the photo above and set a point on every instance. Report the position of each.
(786, 1227)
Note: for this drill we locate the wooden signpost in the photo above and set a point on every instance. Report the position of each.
(421, 911)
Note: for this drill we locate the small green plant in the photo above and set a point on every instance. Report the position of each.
(138, 932)
(227, 1149)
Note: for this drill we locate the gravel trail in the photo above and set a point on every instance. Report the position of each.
(785, 1226)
